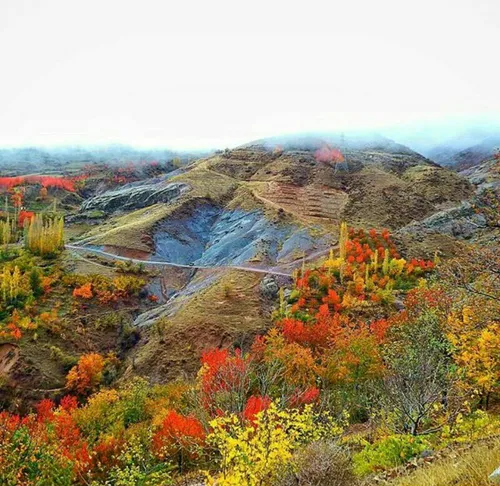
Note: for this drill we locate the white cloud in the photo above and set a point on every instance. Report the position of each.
(219, 73)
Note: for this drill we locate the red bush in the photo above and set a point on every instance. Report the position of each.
(178, 433)
(309, 395)
(45, 410)
(45, 181)
(223, 372)
(255, 404)
(23, 216)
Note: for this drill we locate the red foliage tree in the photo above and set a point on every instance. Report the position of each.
(179, 434)
(68, 403)
(45, 410)
(254, 406)
(223, 372)
(24, 216)
(305, 397)
(45, 181)
(329, 155)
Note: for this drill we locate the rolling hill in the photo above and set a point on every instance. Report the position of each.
(266, 205)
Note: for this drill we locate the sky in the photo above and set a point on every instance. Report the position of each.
(217, 73)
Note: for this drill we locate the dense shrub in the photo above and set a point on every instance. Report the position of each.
(388, 453)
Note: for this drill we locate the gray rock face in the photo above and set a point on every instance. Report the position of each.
(484, 176)
(269, 288)
(462, 221)
(459, 222)
(135, 197)
(208, 235)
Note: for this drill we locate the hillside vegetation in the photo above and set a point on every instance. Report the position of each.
(288, 313)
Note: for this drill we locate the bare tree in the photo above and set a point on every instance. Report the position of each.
(420, 374)
(476, 272)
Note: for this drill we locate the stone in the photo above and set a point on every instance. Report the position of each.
(269, 288)
(134, 196)
(427, 453)
(460, 222)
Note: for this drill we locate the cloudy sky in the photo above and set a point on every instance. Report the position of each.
(215, 73)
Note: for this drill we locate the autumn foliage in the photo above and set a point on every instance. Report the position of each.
(178, 434)
(87, 374)
(103, 290)
(44, 237)
(329, 155)
(46, 181)
(25, 216)
(84, 291)
(337, 352)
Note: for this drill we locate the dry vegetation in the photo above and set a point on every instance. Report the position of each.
(469, 467)
(229, 311)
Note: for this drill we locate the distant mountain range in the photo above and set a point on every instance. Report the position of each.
(469, 156)
(460, 143)
(32, 159)
(451, 145)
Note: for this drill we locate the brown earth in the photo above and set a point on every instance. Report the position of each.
(230, 312)
(9, 354)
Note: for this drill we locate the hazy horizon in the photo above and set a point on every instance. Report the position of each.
(421, 137)
(204, 76)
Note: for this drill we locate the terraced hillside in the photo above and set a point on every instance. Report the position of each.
(312, 202)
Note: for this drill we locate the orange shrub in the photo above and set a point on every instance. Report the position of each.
(87, 374)
(84, 292)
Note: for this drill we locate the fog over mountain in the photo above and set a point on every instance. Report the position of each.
(213, 76)
(26, 159)
(442, 139)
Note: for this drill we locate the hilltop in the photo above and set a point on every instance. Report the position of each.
(463, 158)
(22, 160)
(379, 183)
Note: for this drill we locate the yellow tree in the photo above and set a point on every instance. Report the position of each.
(6, 231)
(44, 238)
(8, 227)
(12, 284)
(477, 350)
(343, 238)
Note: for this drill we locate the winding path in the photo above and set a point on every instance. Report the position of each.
(269, 271)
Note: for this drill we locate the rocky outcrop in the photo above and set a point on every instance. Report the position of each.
(208, 235)
(9, 355)
(460, 222)
(269, 287)
(470, 217)
(484, 176)
(135, 197)
(495, 476)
